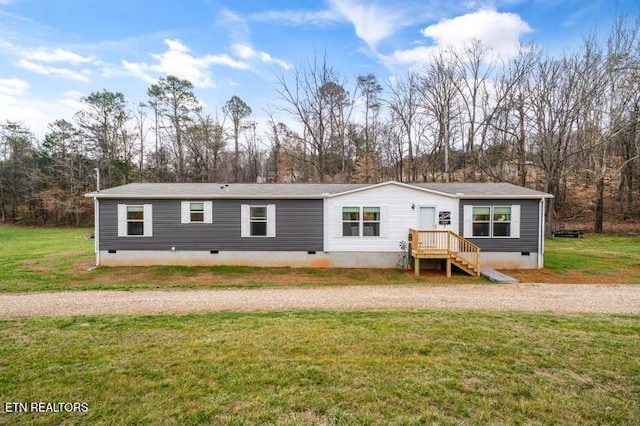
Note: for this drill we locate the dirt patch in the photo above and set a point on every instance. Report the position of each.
(247, 277)
(551, 277)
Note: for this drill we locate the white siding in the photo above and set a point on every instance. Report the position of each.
(397, 216)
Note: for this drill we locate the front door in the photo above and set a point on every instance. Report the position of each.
(427, 218)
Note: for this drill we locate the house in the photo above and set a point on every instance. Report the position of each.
(320, 225)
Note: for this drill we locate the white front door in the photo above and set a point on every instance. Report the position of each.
(427, 218)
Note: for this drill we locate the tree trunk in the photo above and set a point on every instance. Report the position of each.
(599, 205)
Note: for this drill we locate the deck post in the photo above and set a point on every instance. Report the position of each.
(416, 262)
(448, 267)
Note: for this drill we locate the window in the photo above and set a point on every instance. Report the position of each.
(258, 220)
(355, 219)
(502, 221)
(492, 221)
(481, 221)
(197, 212)
(135, 220)
(351, 221)
(371, 221)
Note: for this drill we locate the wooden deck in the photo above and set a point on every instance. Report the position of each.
(447, 245)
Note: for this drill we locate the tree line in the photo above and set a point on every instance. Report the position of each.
(545, 122)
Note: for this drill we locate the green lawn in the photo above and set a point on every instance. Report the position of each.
(415, 367)
(37, 259)
(601, 254)
(41, 259)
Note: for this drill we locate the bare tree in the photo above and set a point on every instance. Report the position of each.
(316, 98)
(404, 105)
(177, 104)
(439, 99)
(237, 110)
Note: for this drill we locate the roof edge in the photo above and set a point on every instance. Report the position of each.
(392, 182)
(200, 197)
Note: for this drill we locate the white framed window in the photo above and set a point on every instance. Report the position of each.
(351, 221)
(258, 220)
(196, 212)
(501, 221)
(371, 221)
(362, 221)
(481, 221)
(135, 220)
(492, 221)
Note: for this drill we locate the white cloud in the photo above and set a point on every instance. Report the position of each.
(13, 86)
(37, 113)
(236, 25)
(246, 52)
(71, 100)
(43, 54)
(500, 31)
(300, 17)
(179, 61)
(54, 71)
(37, 60)
(372, 23)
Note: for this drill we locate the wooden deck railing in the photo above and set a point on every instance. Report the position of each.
(440, 242)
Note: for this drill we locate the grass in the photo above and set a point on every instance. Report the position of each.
(593, 255)
(37, 259)
(595, 258)
(415, 367)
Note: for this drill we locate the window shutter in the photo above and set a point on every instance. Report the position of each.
(271, 220)
(208, 212)
(515, 221)
(122, 220)
(467, 221)
(148, 220)
(185, 212)
(244, 221)
(337, 221)
(384, 222)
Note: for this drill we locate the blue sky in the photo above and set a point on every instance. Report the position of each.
(53, 52)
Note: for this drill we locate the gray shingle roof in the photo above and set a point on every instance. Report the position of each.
(484, 190)
(303, 190)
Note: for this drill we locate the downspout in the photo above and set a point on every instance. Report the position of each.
(96, 233)
(326, 222)
(541, 210)
(96, 219)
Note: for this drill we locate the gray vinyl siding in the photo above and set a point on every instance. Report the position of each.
(299, 227)
(529, 227)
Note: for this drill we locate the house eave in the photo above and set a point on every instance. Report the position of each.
(502, 197)
(201, 197)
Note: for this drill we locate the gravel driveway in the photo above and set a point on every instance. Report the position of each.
(560, 298)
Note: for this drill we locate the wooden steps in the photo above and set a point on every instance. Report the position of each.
(447, 245)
